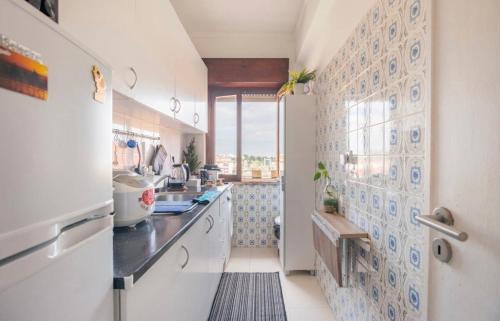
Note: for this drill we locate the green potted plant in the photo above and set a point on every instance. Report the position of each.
(330, 199)
(297, 81)
(190, 157)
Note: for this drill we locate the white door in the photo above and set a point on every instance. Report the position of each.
(465, 158)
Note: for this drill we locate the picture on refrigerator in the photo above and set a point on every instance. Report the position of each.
(23, 74)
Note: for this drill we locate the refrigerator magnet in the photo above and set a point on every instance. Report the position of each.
(100, 85)
(21, 70)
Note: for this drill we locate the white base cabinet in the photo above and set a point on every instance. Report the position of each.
(182, 284)
(226, 208)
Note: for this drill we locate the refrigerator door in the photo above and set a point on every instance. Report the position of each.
(70, 278)
(56, 154)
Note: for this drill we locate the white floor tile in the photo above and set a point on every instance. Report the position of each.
(264, 260)
(301, 290)
(310, 314)
(303, 297)
(239, 261)
(240, 252)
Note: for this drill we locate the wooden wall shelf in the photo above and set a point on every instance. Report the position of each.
(334, 237)
(341, 227)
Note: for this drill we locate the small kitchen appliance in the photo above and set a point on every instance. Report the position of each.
(213, 172)
(134, 199)
(203, 176)
(179, 176)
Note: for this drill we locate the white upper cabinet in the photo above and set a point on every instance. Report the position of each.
(154, 61)
(201, 101)
(152, 56)
(106, 27)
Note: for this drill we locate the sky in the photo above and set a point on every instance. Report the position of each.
(259, 121)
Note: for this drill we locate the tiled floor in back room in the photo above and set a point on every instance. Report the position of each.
(304, 300)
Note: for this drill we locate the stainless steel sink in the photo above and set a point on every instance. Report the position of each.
(176, 196)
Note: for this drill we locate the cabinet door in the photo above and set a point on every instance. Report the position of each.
(177, 286)
(192, 297)
(154, 61)
(155, 295)
(214, 257)
(228, 214)
(201, 108)
(108, 29)
(184, 81)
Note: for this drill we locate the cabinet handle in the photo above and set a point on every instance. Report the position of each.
(196, 118)
(187, 257)
(228, 198)
(212, 223)
(135, 75)
(173, 104)
(209, 222)
(178, 106)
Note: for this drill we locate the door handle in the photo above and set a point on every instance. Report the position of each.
(187, 257)
(441, 220)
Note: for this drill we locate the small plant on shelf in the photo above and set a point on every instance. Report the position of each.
(190, 157)
(330, 200)
(296, 77)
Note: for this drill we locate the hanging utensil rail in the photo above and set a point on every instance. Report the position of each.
(134, 134)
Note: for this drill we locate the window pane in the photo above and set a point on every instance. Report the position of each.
(225, 134)
(259, 136)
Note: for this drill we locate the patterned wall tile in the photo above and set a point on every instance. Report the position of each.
(372, 101)
(254, 208)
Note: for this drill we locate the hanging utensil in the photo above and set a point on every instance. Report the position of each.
(115, 155)
(138, 169)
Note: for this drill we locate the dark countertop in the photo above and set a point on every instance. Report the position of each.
(135, 250)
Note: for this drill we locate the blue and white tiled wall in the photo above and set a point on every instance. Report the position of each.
(373, 98)
(254, 208)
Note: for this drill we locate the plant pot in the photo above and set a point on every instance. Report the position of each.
(309, 88)
(331, 205)
(298, 89)
(330, 209)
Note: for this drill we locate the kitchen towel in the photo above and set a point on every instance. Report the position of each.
(249, 297)
(206, 198)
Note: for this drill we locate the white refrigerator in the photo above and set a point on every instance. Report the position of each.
(56, 251)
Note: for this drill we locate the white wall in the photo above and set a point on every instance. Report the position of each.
(323, 28)
(138, 118)
(244, 45)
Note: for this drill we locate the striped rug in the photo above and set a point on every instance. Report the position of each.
(249, 297)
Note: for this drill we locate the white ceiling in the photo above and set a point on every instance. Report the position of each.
(238, 16)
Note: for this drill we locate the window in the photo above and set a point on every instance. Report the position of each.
(246, 135)
(259, 137)
(226, 146)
